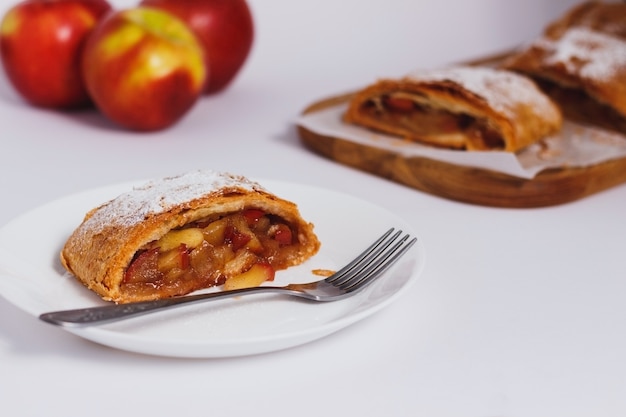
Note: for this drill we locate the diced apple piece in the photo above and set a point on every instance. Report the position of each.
(173, 275)
(174, 258)
(168, 260)
(253, 277)
(254, 244)
(262, 225)
(191, 237)
(242, 261)
(144, 268)
(241, 236)
(214, 232)
(399, 104)
(222, 255)
(252, 216)
(282, 234)
(235, 238)
(203, 261)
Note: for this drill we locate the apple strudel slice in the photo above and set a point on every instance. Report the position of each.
(466, 108)
(580, 62)
(185, 233)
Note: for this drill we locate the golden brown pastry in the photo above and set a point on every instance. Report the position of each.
(580, 61)
(180, 234)
(470, 108)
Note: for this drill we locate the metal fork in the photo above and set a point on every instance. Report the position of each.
(349, 280)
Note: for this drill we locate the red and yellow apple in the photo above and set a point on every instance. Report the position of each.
(144, 68)
(225, 28)
(41, 43)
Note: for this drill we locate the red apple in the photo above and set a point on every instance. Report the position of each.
(225, 28)
(144, 68)
(40, 45)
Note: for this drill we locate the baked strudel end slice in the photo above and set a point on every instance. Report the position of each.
(466, 108)
(185, 233)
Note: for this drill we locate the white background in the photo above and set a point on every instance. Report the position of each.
(518, 312)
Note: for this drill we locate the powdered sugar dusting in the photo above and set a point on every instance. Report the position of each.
(159, 196)
(502, 90)
(590, 54)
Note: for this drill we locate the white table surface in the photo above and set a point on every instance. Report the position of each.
(517, 313)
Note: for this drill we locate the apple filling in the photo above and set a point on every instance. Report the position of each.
(436, 126)
(238, 250)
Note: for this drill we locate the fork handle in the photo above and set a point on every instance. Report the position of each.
(114, 312)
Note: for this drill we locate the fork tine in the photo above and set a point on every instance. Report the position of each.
(344, 272)
(380, 265)
(366, 262)
(366, 268)
(362, 266)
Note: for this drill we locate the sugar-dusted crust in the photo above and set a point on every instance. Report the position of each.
(101, 248)
(580, 61)
(508, 102)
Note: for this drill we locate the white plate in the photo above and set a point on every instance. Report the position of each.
(32, 278)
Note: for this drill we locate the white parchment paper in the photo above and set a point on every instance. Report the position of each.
(575, 146)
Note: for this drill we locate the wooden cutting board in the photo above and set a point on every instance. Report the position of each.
(466, 184)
